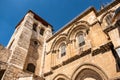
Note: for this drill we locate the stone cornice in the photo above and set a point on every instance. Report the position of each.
(109, 28)
(102, 49)
(84, 53)
(48, 73)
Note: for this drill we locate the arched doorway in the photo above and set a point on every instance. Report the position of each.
(89, 72)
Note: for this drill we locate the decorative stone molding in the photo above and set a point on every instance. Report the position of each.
(84, 53)
(58, 40)
(102, 49)
(108, 12)
(48, 73)
(38, 77)
(89, 70)
(61, 77)
(56, 66)
(109, 28)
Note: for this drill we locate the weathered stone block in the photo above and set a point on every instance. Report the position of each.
(18, 57)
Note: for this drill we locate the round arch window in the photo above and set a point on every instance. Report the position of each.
(80, 40)
(62, 49)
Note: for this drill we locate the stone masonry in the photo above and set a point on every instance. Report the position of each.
(87, 48)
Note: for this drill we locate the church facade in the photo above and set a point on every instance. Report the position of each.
(87, 48)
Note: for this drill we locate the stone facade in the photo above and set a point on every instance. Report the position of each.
(87, 48)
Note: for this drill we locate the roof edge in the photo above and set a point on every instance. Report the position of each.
(81, 15)
(36, 17)
(110, 5)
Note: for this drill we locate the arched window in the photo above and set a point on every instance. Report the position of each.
(35, 27)
(62, 50)
(80, 40)
(42, 31)
(31, 67)
(1, 73)
(109, 19)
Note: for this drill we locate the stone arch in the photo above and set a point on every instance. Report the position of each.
(78, 26)
(91, 71)
(60, 77)
(103, 16)
(59, 39)
(82, 22)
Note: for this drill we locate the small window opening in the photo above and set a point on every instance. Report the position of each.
(31, 67)
(35, 27)
(42, 31)
(81, 40)
(35, 43)
(63, 50)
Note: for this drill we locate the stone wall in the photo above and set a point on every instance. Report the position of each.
(4, 54)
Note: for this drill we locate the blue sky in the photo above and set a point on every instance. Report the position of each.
(56, 12)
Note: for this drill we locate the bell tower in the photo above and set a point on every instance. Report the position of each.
(27, 45)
